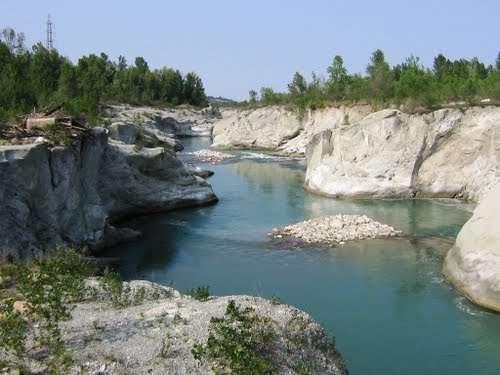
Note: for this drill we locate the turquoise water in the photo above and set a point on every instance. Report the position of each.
(384, 300)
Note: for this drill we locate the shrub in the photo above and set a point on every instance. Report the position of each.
(238, 342)
(201, 293)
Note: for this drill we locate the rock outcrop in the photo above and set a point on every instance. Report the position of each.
(473, 264)
(156, 333)
(73, 194)
(278, 129)
(446, 153)
(129, 123)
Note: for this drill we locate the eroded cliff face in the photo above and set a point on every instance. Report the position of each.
(473, 264)
(388, 154)
(72, 194)
(278, 129)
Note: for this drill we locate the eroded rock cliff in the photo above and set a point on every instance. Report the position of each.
(278, 129)
(72, 194)
(447, 153)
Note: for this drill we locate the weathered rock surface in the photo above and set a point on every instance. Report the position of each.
(334, 230)
(156, 336)
(278, 129)
(72, 194)
(159, 124)
(473, 264)
(447, 153)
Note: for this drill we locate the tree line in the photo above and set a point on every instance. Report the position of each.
(409, 83)
(42, 77)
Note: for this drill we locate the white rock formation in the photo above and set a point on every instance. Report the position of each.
(473, 264)
(447, 153)
(278, 129)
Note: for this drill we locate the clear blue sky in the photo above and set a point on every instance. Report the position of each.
(239, 45)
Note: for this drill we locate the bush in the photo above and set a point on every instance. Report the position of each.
(201, 293)
(237, 342)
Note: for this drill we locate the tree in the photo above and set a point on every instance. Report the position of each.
(253, 96)
(497, 62)
(194, 92)
(298, 86)
(415, 83)
(338, 77)
(14, 41)
(381, 78)
(44, 73)
(172, 86)
(441, 66)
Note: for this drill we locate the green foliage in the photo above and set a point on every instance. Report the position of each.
(201, 293)
(237, 342)
(409, 84)
(42, 77)
(298, 86)
(48, 285)
(112, 284)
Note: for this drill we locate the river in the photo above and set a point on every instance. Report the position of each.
(385, 301)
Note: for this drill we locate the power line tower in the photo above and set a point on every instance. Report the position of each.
(50, 40)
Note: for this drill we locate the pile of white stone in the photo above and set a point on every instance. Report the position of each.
(334, 230)
(211, 156)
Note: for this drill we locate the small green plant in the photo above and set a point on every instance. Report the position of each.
(119, 295)
(48, 286)
(201, 293)
(238, 342)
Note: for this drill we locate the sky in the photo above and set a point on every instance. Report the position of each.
(240, 45)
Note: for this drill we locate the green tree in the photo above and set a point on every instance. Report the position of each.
(253, 96)
(194, 92)
(298, 86)
(381, 78)
(415, 83)
(44, 73)
(338, 79)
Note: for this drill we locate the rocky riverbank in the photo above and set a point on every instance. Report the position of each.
(73, 194)
(158, 328)
(333, 230)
